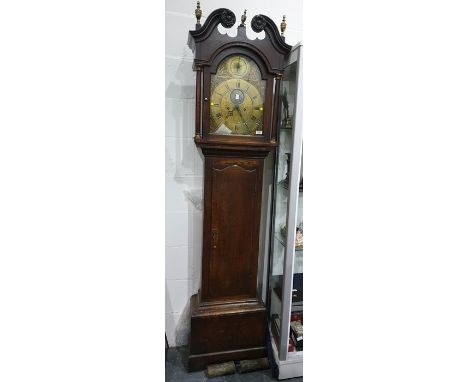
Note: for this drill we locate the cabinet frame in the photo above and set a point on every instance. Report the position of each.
(290, 363)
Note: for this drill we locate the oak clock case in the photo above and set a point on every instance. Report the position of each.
(237, 108)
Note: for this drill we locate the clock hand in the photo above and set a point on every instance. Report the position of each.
(236, 107)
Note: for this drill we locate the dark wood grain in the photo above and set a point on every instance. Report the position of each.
(207, 41)
(233, 187)
(226, 332)
(198, 362)
(198, 133)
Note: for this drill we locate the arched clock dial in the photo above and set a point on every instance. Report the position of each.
(237, 98)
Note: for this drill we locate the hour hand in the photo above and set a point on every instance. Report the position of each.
(236, 107)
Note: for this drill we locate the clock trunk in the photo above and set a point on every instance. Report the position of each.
(231, 228)
(228, 318)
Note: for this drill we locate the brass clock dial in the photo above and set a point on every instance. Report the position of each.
(236, 102)
(238, 66)
(238, 106)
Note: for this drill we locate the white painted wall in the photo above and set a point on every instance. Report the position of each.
(184, 164)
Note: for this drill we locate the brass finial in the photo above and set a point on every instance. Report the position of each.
(243, 18)
(198, 14)
(283, 25)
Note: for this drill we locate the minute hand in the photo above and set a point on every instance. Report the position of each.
(238, 110)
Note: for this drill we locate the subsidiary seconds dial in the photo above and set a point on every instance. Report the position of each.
(236, 108)
(237, 66)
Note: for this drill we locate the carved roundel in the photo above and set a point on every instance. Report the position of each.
(258, 23)
(227, 18)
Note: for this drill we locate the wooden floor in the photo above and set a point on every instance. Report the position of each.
(176, 371)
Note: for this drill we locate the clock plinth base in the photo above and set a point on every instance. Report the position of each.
(226, 332)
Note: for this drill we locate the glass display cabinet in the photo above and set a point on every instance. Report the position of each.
(286, 242)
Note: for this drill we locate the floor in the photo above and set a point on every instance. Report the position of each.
(176, 371)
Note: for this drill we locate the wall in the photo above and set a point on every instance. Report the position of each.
(184, 163)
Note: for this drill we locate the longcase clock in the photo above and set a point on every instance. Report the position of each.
(237, 101)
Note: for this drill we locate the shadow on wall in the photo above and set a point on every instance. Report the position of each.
(182, 326)
(178, 326)
(182, 159)
(182, 76)
(183, 170)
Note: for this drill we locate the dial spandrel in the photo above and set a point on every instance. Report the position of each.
(237, 96)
